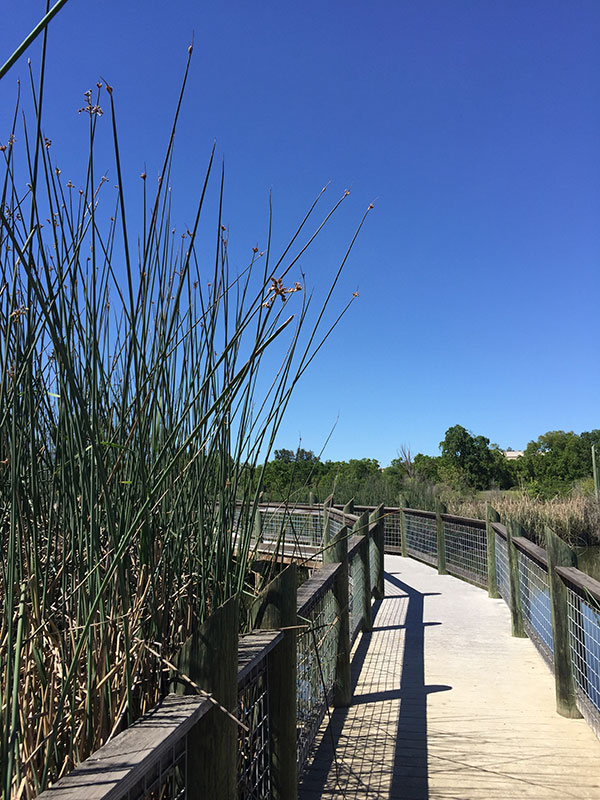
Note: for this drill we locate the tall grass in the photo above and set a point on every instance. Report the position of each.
(134, 416)
(575, 518)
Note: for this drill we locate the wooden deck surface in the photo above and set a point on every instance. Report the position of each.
(448, 705)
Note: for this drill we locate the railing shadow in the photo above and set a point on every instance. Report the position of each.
(410, 778)
(409, 775)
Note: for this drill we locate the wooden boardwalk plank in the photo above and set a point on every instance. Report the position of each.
(448, 705)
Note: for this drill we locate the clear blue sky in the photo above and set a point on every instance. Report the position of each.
(473, 125)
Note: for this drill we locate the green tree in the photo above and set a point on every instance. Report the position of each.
(555, 460)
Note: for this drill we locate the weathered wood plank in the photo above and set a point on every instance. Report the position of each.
(115, 768)
(354, 543)
(491, 516)
(534, 550)
(253, 648)
(316, 586)
(276, 607)
(560, 554)
(500, 529)
(469, 521)
(337, 553)
(208, 657)
(580, 581)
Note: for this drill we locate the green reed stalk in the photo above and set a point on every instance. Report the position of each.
(137, 409)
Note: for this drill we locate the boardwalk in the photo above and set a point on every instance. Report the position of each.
(448, 705)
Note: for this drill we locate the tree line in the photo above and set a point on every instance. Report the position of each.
(551, 465)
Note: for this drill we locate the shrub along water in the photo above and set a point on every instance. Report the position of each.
(131, 422)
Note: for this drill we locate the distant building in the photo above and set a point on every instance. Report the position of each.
(513, 454)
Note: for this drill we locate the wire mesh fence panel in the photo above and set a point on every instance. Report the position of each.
(166, 779)
(356, 575)
(421, 537)
(254, 757)
(466, 551)
(536, 607)
(316, 664)
(584, 640)
(502, 573)
(294, 527)
(335, 526)
(392, 530)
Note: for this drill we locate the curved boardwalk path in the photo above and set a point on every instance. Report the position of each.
(448, 705)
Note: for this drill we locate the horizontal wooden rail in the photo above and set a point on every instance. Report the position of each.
(500, 529)
(417, 512)
(254, 648)
(468, 521)
(583, 584)
(316, 586)
(532, 550)
(119, 765)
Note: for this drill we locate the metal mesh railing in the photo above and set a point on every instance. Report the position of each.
(421, 537)
(166, 778)
(356, 575)
(295, 526)
(502, 573)
(316, 664)
(335, 526)
(466, 551)
(584, 641)
(392, 530)
(254, 758)
(536, 607)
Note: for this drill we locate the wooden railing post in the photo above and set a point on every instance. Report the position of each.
(326, 526)
(491, 516)
(312, 498)
(361, 528)
(276, 607)
(560, 555)
(257, 527)
(209, 659)
(377, 517)
(401, 507)
(349, 507)
(514, 529)
(337, 552)
(440, 509)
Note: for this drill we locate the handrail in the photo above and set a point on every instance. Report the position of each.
(523, 566)
(533, 550)
(500, 529)
(254, 648)
(117, 767)
(471, 521)
(316, 586)
(583, 584)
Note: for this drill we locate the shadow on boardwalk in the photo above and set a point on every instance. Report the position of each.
(377, 748)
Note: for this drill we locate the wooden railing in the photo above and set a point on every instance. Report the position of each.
(290, 669)
(297, 661)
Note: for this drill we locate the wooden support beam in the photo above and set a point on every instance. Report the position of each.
(559, 554)
(377, 517)
(440, 509)
(362, 528)
(402, 506)
(338, 553)
(209, 658)
(513, 530)
(491, 516)
(276, 608)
